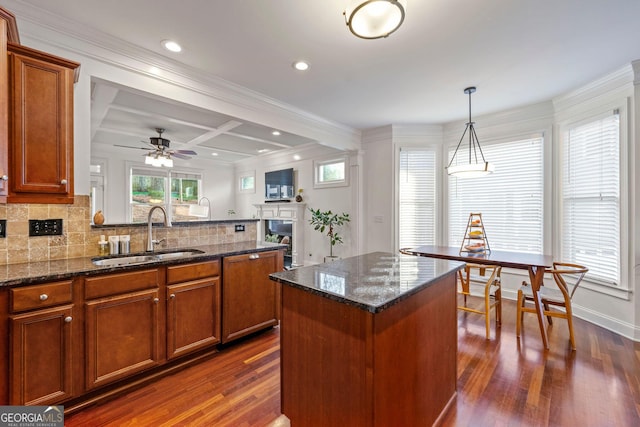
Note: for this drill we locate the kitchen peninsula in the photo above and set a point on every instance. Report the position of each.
(369, 340)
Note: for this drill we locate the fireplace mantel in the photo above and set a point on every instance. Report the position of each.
(293, 212)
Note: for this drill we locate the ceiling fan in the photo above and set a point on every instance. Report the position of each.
(159, 154)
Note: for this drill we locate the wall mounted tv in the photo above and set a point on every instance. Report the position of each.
(278, 185)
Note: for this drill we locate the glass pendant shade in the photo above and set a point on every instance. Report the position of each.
(471, 170)
(373, 19)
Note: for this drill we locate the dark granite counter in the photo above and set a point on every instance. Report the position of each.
(13, 275)
(371, 282)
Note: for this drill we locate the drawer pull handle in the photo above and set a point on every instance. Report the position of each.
(68, 319)
(172, 296)
(63, 181)
(156, 300)
(254, 256)
(44, 297)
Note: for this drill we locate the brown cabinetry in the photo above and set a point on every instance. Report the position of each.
(250, 299)
(193, 307)
(40, 126)
(122, 330)
(41, 343)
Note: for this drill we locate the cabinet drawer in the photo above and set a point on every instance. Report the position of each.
(186, 272)
(113, 284)
(40, 296)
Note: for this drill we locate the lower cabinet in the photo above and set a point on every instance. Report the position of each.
(122, 336)
(250, 300)
(41, 369)
(193, 307)
(40, 344)
(67, 339)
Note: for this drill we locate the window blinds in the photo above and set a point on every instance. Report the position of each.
(417, 197)
(591, 197)
(510, 199)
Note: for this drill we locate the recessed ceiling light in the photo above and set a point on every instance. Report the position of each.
(172, 46)
(296, 157)
(214, 154)
(275, 133)
(301, 65)
(263, 150)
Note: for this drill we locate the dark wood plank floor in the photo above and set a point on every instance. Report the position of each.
(501, 382)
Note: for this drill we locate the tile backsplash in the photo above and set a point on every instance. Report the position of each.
(80, 239)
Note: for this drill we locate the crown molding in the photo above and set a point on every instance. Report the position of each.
(604, 86)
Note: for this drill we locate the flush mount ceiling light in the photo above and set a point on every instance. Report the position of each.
(171, 46)
(474, 167)
(373, 19)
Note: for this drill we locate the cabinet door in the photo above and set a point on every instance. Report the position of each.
(193, 316)
(122, 336)
(41, 356)
(41, 123)
(250, 298)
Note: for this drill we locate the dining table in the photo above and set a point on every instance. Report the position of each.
(535, 264)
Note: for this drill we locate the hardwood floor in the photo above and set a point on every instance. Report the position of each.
(501, 382)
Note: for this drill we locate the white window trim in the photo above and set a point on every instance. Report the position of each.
(317, 164)
(129, 165)
(623, 289)
(241, 177)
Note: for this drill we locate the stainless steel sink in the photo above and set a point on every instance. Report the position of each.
(178, 254)
(142, 259)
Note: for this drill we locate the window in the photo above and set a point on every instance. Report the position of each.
(417, 197)
(591, 197)
(510, 200)
(247, 182)
(330, 173)
(185, 194)
(154, 187)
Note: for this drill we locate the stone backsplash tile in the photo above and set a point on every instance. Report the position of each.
(80, 239)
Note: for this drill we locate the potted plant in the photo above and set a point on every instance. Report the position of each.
(328, 221)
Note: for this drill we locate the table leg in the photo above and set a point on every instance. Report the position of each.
(536, 276)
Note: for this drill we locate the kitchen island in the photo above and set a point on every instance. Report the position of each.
(368, 341)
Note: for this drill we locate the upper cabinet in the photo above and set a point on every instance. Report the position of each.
(40, 126)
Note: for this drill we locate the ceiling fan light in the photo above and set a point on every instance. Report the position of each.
(373, 19)
(166, 161)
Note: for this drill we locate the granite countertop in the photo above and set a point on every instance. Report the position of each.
(371, 282)
(13, 275)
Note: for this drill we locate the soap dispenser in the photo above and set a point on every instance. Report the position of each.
(103, 246)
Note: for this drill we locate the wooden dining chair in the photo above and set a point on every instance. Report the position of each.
(567, 278)
(488, 278)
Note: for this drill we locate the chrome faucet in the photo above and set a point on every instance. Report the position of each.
(167, 223)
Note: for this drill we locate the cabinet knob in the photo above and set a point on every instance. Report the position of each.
(156, 300)
(63, 181)
(172, 296)
(254, 256)
(44, 297)
(68, 319)
(4, 178)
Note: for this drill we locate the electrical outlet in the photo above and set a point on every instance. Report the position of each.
(239, 227)
(45, 227)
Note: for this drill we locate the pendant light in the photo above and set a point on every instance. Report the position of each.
(373, 19)
(474, 168)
